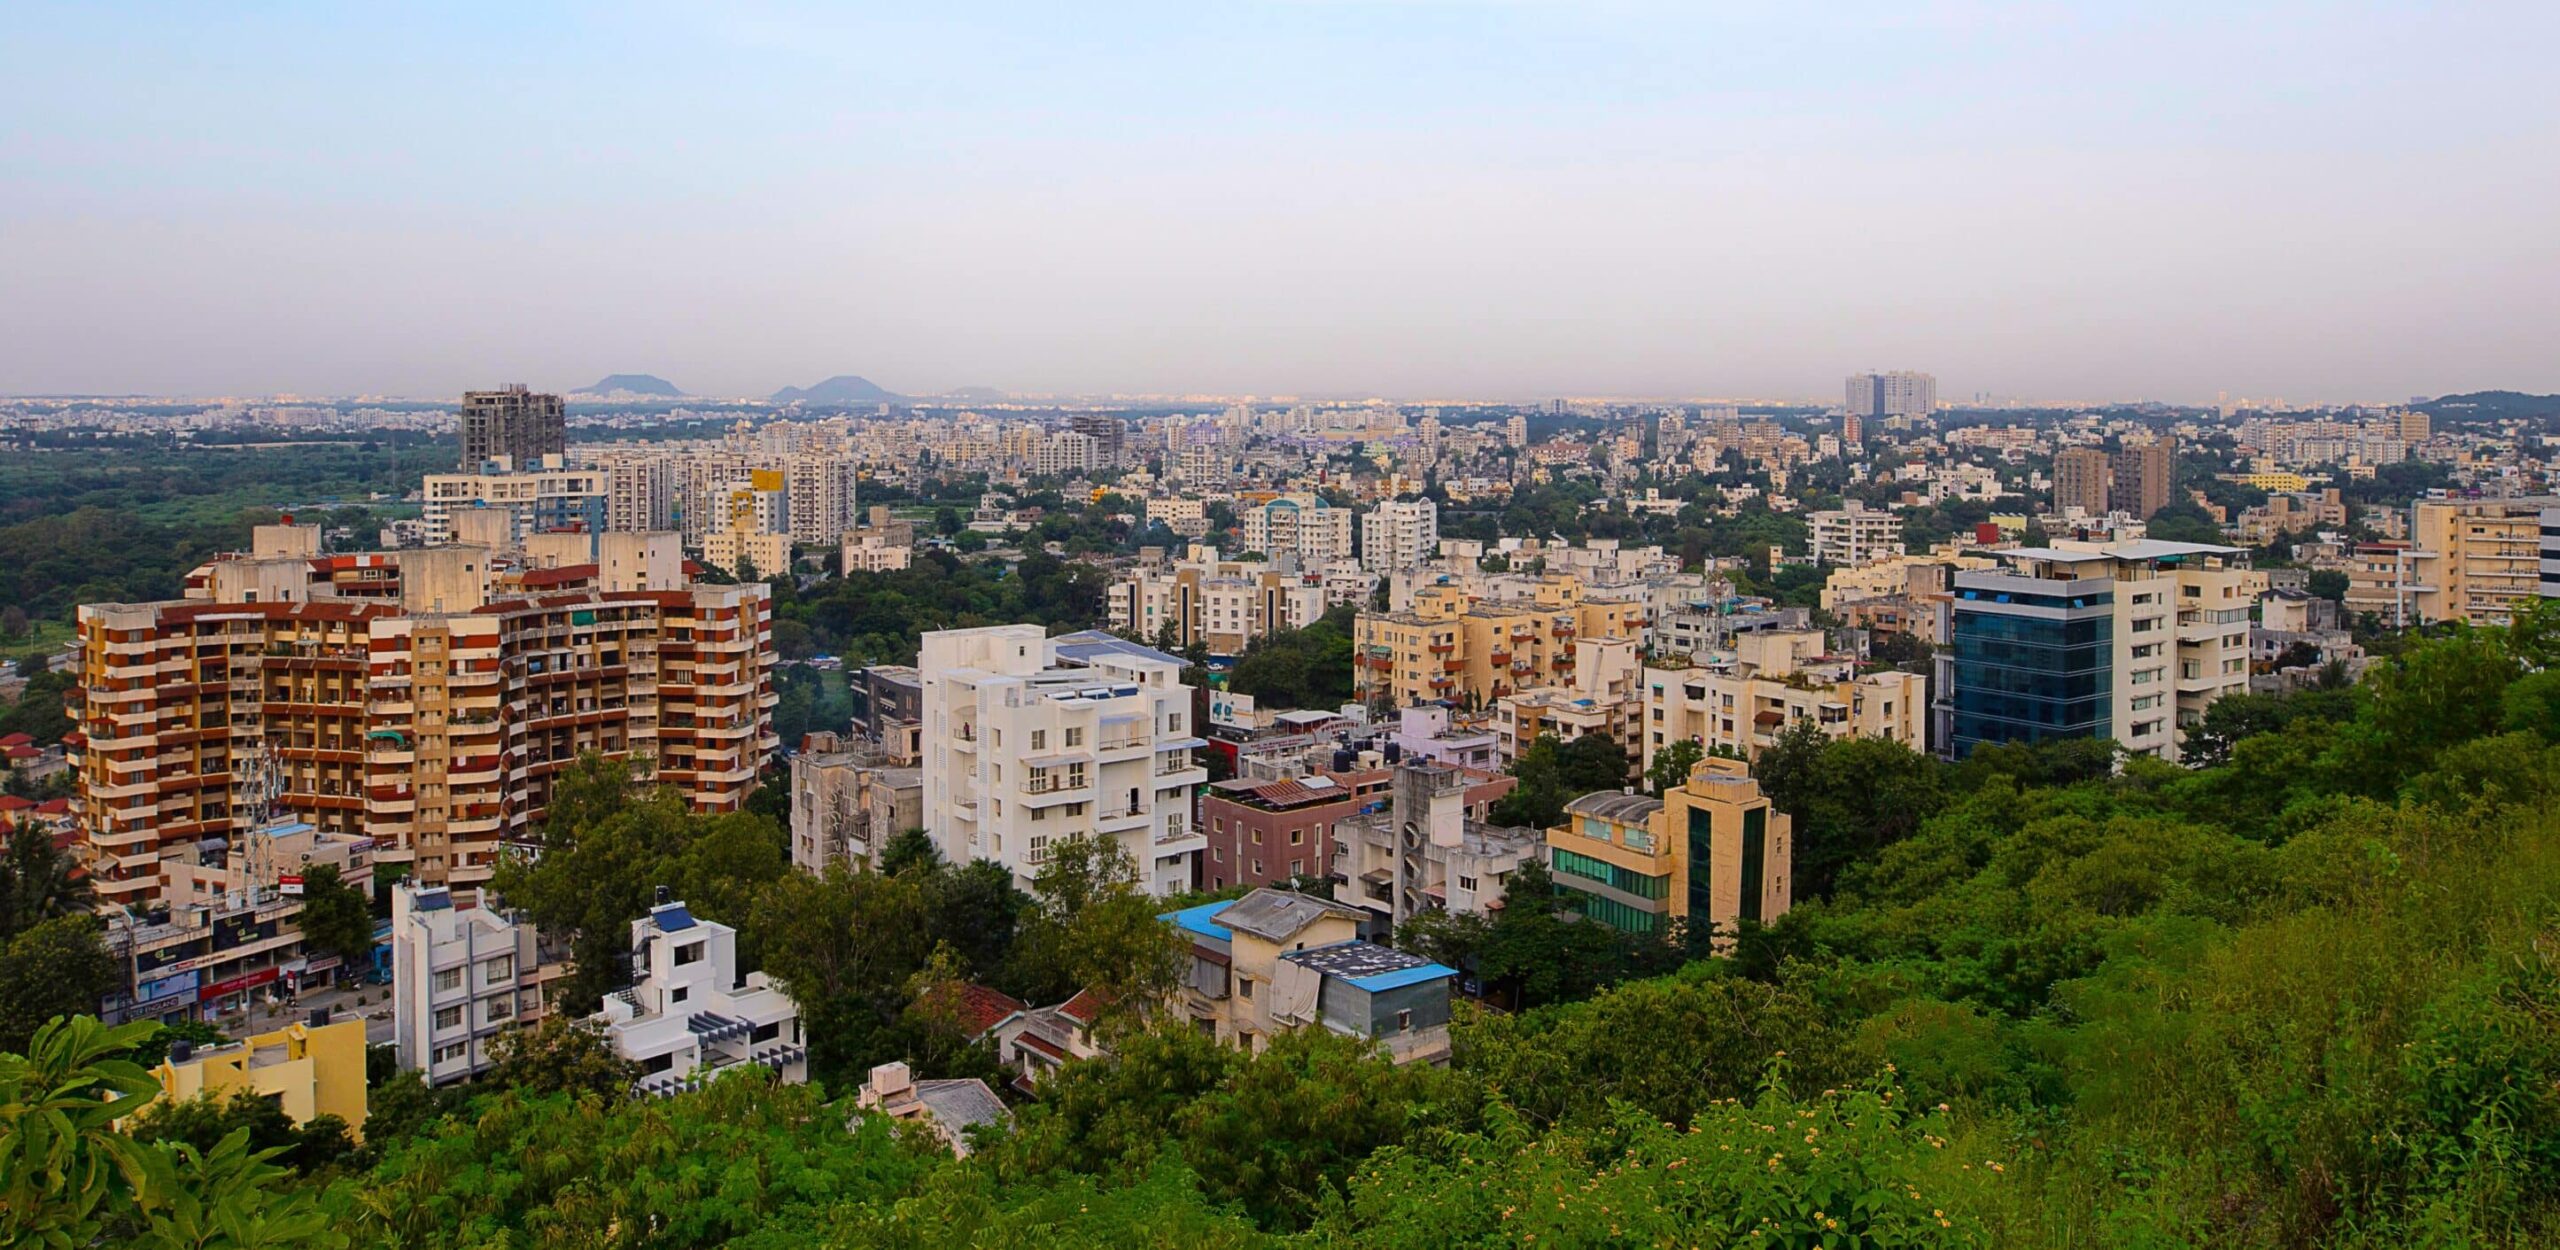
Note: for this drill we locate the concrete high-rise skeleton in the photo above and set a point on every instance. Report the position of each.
(513, 422)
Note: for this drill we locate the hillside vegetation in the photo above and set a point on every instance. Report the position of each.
(2306, 997)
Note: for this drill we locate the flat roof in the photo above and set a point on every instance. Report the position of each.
(1369, 966)
(1085, 645)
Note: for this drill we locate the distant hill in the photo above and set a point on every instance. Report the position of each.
(2492, 406)
(973, 392)
(844, 388)
(635, 384)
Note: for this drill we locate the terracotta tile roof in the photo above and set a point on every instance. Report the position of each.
(984, 1008)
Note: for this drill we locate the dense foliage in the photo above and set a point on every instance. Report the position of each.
(2306, 997)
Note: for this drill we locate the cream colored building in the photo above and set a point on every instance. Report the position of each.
(1451, 645)
(1605, 697)
(1712, 851)
(2476, 558)
(1772, 679)
(1031, 740)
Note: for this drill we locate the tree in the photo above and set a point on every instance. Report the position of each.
(13, 622)
(1538, 951)
(69, 1178)
(1553, 773)
(1096, 930)
(560, 1055)
(335, 917)
(607, 847)
(54, 968)
(37, 883)
(1671, 764)
(846, 945)
(1850, 797)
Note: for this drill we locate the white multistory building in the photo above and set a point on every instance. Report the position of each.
(1399, 534)
(539, 499)
(1853, 535)
(690, 1014)
(459, 975)
(1300, 525)
(1031, 741)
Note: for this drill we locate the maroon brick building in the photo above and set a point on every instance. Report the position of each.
(1271, 832)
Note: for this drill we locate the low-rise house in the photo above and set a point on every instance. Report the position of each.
(950, 1108)
(1273, 962)
(692, 1013)
(309, 1069)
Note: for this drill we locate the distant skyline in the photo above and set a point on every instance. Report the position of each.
(1496, 199)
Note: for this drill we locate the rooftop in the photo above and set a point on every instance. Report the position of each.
(1369, 966)
(1615, 807)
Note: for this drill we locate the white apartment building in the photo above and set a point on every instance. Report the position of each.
(1400, 535)
(1031, 740)
(459, 975)
(1853, 535)
(690, 1014)
(546, 498)
(1301, 525)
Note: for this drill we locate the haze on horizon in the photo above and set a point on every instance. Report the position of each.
(1480, 198)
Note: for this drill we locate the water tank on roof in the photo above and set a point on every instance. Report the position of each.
(1395, 750)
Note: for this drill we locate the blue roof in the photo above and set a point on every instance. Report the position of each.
(1403, 977)
(1369, 966)
(1203, 920)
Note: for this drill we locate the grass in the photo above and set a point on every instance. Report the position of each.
(46, 638)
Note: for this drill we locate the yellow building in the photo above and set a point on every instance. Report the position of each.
(2287, 483)
(310, 1070)
(1712, 851)
(1452, 645)
(2476, 558)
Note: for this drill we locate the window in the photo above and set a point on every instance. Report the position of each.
(452, 1052)
(1404, 1020)
(1298, 837)
(1466, 883)
(501, 1008)
(498, 971)
(448, 980)
(1257, 868)
(689, 953)
(1039, 739)
(1075, 735)
(1244, 987)
(449, 1017)
(1257, 837)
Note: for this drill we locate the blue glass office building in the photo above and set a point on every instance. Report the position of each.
(2030, 659)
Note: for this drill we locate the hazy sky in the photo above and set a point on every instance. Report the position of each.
(2153, 199)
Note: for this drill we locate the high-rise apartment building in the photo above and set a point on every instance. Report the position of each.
(2082, 478)
(2129, 641)
(538, 497)
(1898, 394)
(1110, 436)
(1399, 534)
(2145, 472)
(1030, 741)
(513, 422)
(427, 705)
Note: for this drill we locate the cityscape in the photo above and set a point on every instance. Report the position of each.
(1567, 770)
